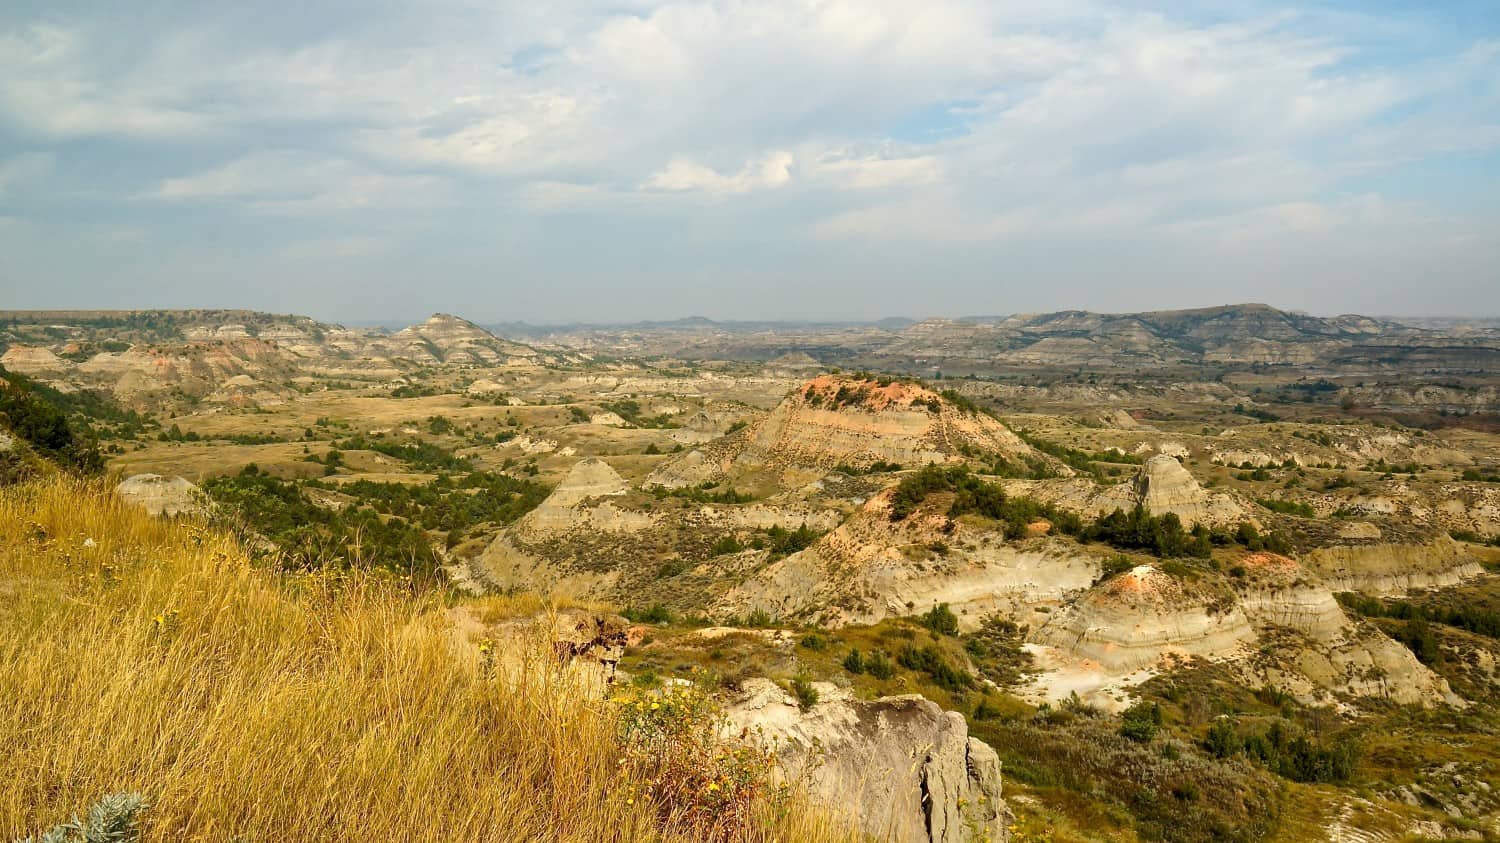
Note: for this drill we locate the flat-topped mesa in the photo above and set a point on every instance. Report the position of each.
(835, 421)
(1387, 568)
(34, 360)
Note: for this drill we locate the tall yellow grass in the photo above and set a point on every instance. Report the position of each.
(137, 654)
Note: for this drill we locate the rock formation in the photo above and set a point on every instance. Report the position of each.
(1278, 624)
(158, 495)
(871, 568)
(905, 768)
(1132, 620)
(448, 339)
(1377, 567)
(1162, 485)
(587, 539)
(839, 420)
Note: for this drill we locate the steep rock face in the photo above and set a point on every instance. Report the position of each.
(906, 769)
(1277, 592)
(870, 568)
(1135, 619)
(1279, 626)
(833, 421)
(1319, 650)
(158, 495)
(1384, 568)
(1163, 485)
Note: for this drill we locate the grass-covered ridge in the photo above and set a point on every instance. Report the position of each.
(139, 655)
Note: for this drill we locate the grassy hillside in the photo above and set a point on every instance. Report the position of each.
(141, 655)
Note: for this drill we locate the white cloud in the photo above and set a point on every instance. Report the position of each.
(872, 172)
(47, 82)
(772, 171)
(943, 122)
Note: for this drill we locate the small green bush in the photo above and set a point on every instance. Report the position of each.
(110, 820)
(879, 666)
(941, 620)
(807, 695)
(854, 662)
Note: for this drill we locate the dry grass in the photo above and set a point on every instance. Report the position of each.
(155, 658)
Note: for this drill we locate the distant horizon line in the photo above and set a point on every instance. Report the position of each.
(399, 322)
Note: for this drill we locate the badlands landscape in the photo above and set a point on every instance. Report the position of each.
(1219, 574)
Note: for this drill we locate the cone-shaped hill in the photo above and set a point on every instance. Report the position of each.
(850, 421)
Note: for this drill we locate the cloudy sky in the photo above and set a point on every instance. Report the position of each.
(553, 161)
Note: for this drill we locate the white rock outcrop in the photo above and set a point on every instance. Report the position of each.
(1133, 620)
(158, 495)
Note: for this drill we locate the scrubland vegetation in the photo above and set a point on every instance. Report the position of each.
(139, 655)
(1137, 529)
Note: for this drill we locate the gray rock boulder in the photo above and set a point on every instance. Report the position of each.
(906, 770)
(158, 495)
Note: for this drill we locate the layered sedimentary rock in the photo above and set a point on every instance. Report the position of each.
(449, 339)
(871, 567)
(1162, 485)
(34, 360)
(1275, 591)
(904, 768)
(580, 501)
(1134, 619)
(835, 421)
(1278, 624)
(585, 540)
(1388, 568)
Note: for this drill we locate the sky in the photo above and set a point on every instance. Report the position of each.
(779, 159)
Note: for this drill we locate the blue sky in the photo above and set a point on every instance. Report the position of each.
(807, 159)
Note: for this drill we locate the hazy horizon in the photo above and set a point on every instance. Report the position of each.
(787, 160)
(396, 322)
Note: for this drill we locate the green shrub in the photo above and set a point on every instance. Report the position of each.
(806, 694)
(941, 620)
(726, 545)
(1287, 507)
(930, 660)
(34, 415)
(110, 820)
(1141, 722)
(854, 662)
(759, 619)
(656, 613)
(879, 665)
